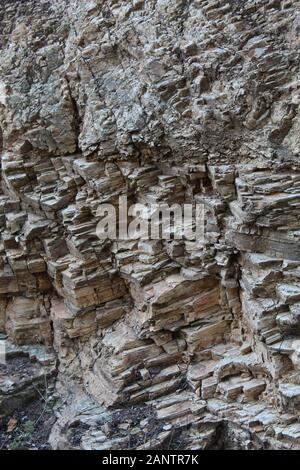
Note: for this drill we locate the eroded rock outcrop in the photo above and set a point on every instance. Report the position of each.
(155, 343)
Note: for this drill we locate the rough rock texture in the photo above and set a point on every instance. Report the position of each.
(166, 344)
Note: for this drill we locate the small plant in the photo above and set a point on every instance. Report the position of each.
(29, 427)
(16, 444)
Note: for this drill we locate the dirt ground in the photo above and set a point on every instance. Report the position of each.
(28, 424)
(28, 428)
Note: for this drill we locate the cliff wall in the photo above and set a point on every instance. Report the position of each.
(154, 343)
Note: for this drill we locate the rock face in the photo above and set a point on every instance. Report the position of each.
(158, 343)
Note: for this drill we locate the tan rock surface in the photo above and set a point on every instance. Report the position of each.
(170, 343)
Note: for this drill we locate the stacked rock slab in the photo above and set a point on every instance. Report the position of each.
(158, 343)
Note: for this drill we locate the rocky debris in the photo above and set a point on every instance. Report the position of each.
(29, 425)
(24, 373)
(166, 343)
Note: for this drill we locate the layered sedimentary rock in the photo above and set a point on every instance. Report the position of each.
(155, 343)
